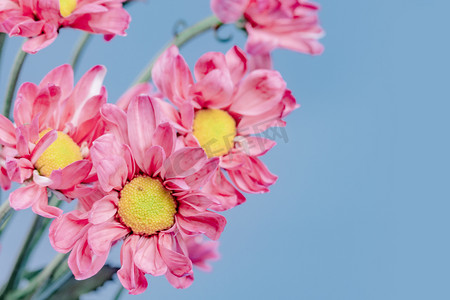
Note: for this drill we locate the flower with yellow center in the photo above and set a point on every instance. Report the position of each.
(146, 206)
(66, 7)
(215, 130)
(61, 153)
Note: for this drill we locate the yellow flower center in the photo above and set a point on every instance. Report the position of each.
(215, 130)
(58, 155)
(146, 206)
(66, 7)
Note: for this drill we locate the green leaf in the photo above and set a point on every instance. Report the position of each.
(72, 289)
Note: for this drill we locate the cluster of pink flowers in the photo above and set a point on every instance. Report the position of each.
(153, 170)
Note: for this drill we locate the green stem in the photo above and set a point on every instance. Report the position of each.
(81, 45)
(2, 42)
(13, 77)
(34, 235)
(209, 23)
(39, 280)
(119, 292)
(5, 215)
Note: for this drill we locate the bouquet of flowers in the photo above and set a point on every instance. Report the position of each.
(151, 173)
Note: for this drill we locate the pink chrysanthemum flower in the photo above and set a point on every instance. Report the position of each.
(48, 146)
(153, 199)
(270, 24)
(223, 112)
(40, 20)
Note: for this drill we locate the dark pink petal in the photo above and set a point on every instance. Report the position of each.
(101, 236)
(194, 222)
(237, 64)
(147, 257)
(142, 120)
(259, 92)
(131, 277)
(172, 76)
(154, 158)
(178, 263)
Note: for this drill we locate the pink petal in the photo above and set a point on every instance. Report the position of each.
(192, 221)
(133, 92)
(25, 196)
(142, 120)
(259, 92)
(116, 121)
(255, 180)
(41, 206)
(180, 282)
(184, 162)
(237, 63)
(214, 90)
(131, 277)
(226, 194)
(172, 76)
(7, 132)
(62, 77)
(71, 175)
(19, 170)
(176, 262)
(43, 144)
(101, 236)
(200, 251)
(199, 201)
(202, 176)
(254, 145)
(165, 136)
(229, 11)
(24, 103)
(66, 230)
(103, 210)
(209, 62)
(147, 257)
(83, 262)
(154, 158)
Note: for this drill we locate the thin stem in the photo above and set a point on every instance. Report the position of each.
(119, 292)
(34, 235)
(22, 258)
(40, 279)
(179, 40)
(81, 45)
(13, 77)
(2, 42)
(5, 215)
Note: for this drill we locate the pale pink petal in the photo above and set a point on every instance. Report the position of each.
(200, 201)
(209, 62)
(43, 144)
(7, 132)
(259, 92)
(214, 90)
(41, 180)
(41, 207)
(201, 251)
(260, 61)
(202, 176)
(180, 282)
(229, 11)
(147, 257)
(116, 121)
(25, 196)
(257, 180)
(131, 277)
(24, 103)
(19, 170)
(254, 145)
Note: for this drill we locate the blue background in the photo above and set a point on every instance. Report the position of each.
(360, 210)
